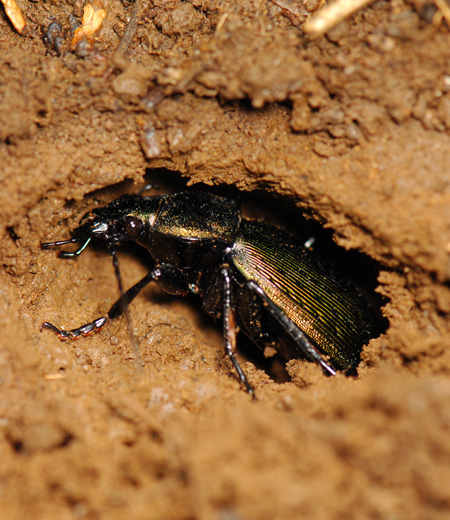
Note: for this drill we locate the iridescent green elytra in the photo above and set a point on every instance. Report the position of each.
(326, 308)
(251, 274)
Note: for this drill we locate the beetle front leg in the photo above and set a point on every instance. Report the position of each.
(169, 278)
(229, 329)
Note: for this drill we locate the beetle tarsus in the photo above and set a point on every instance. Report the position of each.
(84, 330)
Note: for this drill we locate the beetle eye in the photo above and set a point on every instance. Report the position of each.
(132, 226)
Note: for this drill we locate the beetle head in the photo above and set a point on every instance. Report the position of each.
(121, 220)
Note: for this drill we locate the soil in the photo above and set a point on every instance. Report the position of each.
(350, 130)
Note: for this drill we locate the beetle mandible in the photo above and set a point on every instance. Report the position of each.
(250, 273)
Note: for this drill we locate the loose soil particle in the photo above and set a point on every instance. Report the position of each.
(352, 130)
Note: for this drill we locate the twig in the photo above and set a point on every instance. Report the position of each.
(130, 30)
(444, 8)
(332, 15)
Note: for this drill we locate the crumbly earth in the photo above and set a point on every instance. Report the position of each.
(352, 130)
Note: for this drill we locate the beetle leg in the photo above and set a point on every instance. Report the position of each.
(229, 329)
(84, 330)
(170, 278)
(250, 317)
(309, 350)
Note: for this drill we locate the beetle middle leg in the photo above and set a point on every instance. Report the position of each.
(171, 280)
(229, 329)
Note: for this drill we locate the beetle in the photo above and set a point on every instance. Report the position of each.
(253, 275)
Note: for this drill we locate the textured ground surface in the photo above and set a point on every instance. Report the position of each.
(352, 129)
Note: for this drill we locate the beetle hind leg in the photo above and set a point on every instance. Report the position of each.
(307, 347)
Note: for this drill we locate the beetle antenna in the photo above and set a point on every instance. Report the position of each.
(67, 254)
(125, 311)
(48, 245)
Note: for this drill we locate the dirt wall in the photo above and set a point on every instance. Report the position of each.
(350, 130)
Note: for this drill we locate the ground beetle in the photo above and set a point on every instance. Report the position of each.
(250, 273)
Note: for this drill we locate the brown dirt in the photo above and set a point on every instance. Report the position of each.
(352, 129)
